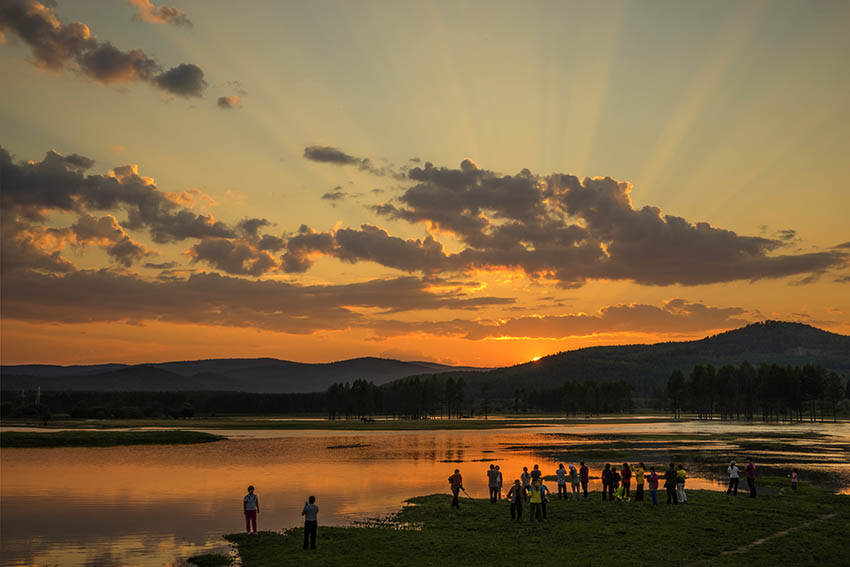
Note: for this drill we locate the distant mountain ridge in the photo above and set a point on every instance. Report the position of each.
(644, 366)
(648, 366)
(265, 375)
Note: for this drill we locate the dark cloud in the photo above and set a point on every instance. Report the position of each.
(571, 230)
(209, 299)
(335, 194)
(227, 102)
(146, 11)
(161, 266)
(56, 45)
(327, 154)
(842, 245)
(674, 316)
(186, 79)
(233, 256)
(60, 183)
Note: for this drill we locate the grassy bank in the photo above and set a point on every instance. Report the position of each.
(712, 529)
(10, 439)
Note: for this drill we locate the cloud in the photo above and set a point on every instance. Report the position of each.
(233, 256)
(673, 317)
(334, 195)
(571, 230)
(56, 45)
(146, 11)
(227, 102)
(160, 266)
(31, 189)
(787, 234)
(329, 154)
(843, 245)
(186, 79)
(210, 299)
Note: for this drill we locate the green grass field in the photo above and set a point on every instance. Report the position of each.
(781, 528)
(11, 439)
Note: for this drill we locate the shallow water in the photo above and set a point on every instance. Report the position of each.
(156, 505)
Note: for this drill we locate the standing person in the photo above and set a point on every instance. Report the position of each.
(562, 481)
(681, 475)
(614, 484)
(516, 495)
(653, 486)
(498, 483)
(251, 507)
(751, 477)
(526, 479)
(626, 475)
(492, 483)
(794, 480)
(574, 480)
(584, 474)
(456, 482)
(640, 470)
(536, 500)
(536, 474)
(734, 477)
(670, 484)
(544, 491)
(606, 480)
(311, 521)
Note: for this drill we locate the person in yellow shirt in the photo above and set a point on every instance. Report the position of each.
(640, 471)
(681, 475)
(536, 501)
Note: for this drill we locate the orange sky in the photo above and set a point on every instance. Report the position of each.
(461, 184)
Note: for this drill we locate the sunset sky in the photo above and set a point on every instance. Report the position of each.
(474, 183)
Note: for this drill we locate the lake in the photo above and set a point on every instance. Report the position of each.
(157, 505)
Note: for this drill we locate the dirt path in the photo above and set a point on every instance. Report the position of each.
(760, 541)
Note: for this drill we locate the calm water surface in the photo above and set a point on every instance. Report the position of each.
(158, 505)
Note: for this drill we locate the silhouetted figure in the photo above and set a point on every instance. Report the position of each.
(525, 477)
(734, 477)
(536, 500)
(653, 486)
(640, 471)
(607, 477)
(794, 477)
(544, 490)
(670, 484)
(751, 477)
(456, 482)
(499, 481)
(562, 481)
(251, 507)
(492, 483)
(614, 485)
(574, 480)
(516, 495)
(681, 475)
(536, 474)
(626, 475)
(584, 474)
(311, 521)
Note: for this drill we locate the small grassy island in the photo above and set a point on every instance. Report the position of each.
(20, 439)
(779, 527)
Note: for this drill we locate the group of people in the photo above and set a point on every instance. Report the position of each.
(251, 507)
(616, 485)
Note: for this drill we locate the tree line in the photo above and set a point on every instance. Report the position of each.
(771, 391)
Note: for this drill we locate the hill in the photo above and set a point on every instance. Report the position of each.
(262, 375)
(649, 366)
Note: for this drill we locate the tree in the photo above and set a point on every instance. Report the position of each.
(675, 390)
(832, 391)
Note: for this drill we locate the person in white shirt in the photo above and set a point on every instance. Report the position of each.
(251, 507)
(734, 477)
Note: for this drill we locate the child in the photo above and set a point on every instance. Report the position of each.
(794, 479)
(251, 507)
